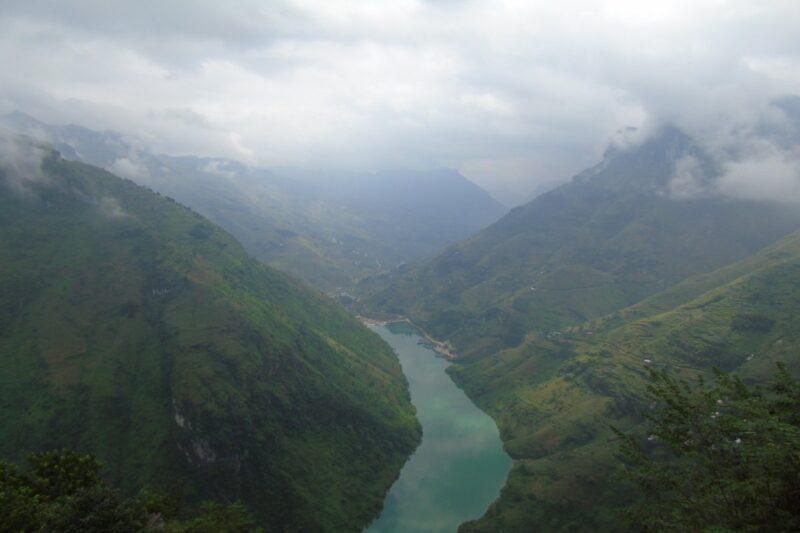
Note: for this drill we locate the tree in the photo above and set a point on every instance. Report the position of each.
(62, 491)
(718, 457)
(216, 518)
(63, 472)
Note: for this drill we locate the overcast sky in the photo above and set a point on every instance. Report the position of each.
(515, 94)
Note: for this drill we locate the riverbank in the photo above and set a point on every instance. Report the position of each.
(442, 348)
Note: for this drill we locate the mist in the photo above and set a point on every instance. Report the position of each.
(516, 95)
(21, 162)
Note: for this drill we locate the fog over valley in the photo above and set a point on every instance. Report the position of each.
(515, 95)
(419, 266)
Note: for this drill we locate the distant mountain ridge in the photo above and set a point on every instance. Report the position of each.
(329, 229)
(612, 236)
(135, 329)
(557, 309)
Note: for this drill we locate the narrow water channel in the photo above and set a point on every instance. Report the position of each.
(459, 468)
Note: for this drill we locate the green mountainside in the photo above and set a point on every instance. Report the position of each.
(612, 236)
(134, 329)
(555, 396)
(329, 229)
(557, 310)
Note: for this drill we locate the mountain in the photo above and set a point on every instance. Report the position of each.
(555, 395)
(135, 329)
(329, 229)
(556, 310)
(617, 233)
(414, 213)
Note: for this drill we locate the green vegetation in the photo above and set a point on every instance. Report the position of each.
(327, 229)
(62, 490)
(555, 395)
(717, 458)
(605, 241)
(134, 329)
(558, 310)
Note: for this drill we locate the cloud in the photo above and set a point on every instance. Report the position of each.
(111, 208)
(21, 163)
(771, 174)
(513, 93)
(220, 169)
(128, 168)
(689, 179)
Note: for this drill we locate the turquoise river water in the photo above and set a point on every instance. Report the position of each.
(459, 468)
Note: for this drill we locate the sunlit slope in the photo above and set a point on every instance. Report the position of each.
(556, 394)
(616, 234)
(134, 329)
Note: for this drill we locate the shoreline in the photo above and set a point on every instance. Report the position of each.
(442, 348)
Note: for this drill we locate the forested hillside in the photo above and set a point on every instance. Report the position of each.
(614, 235)
(327, 228)
(557, 310)
(555, 396)
(135, 329)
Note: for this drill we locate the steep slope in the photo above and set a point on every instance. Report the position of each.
(134, 329)
(329, 229)
(555, 395)
(617, 233)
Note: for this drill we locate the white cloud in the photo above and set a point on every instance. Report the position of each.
(689, 179)
(111, 208)
(770, 174)
(21, 163)
(514, 93)
(128, 168)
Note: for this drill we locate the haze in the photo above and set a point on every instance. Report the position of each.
(515, 95)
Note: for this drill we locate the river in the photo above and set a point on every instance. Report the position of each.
(460, 466)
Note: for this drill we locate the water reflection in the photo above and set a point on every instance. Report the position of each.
(460, 466)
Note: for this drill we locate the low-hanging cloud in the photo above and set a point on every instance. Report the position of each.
(21, 162)
(771, 174)
(689, 179)
(21, 170)
(513, 93)
(111, 208)
(129, 167)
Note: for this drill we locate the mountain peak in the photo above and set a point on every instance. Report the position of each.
(652, 164)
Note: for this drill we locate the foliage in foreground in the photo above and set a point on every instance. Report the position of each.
(62, 491)
(718, 457)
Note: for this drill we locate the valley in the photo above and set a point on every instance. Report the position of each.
(425, 266)
(134, 329)
(329, 229)
(557, 314)
(459, 467)
(554, 345)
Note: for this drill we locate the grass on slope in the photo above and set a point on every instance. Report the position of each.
(554, 396)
